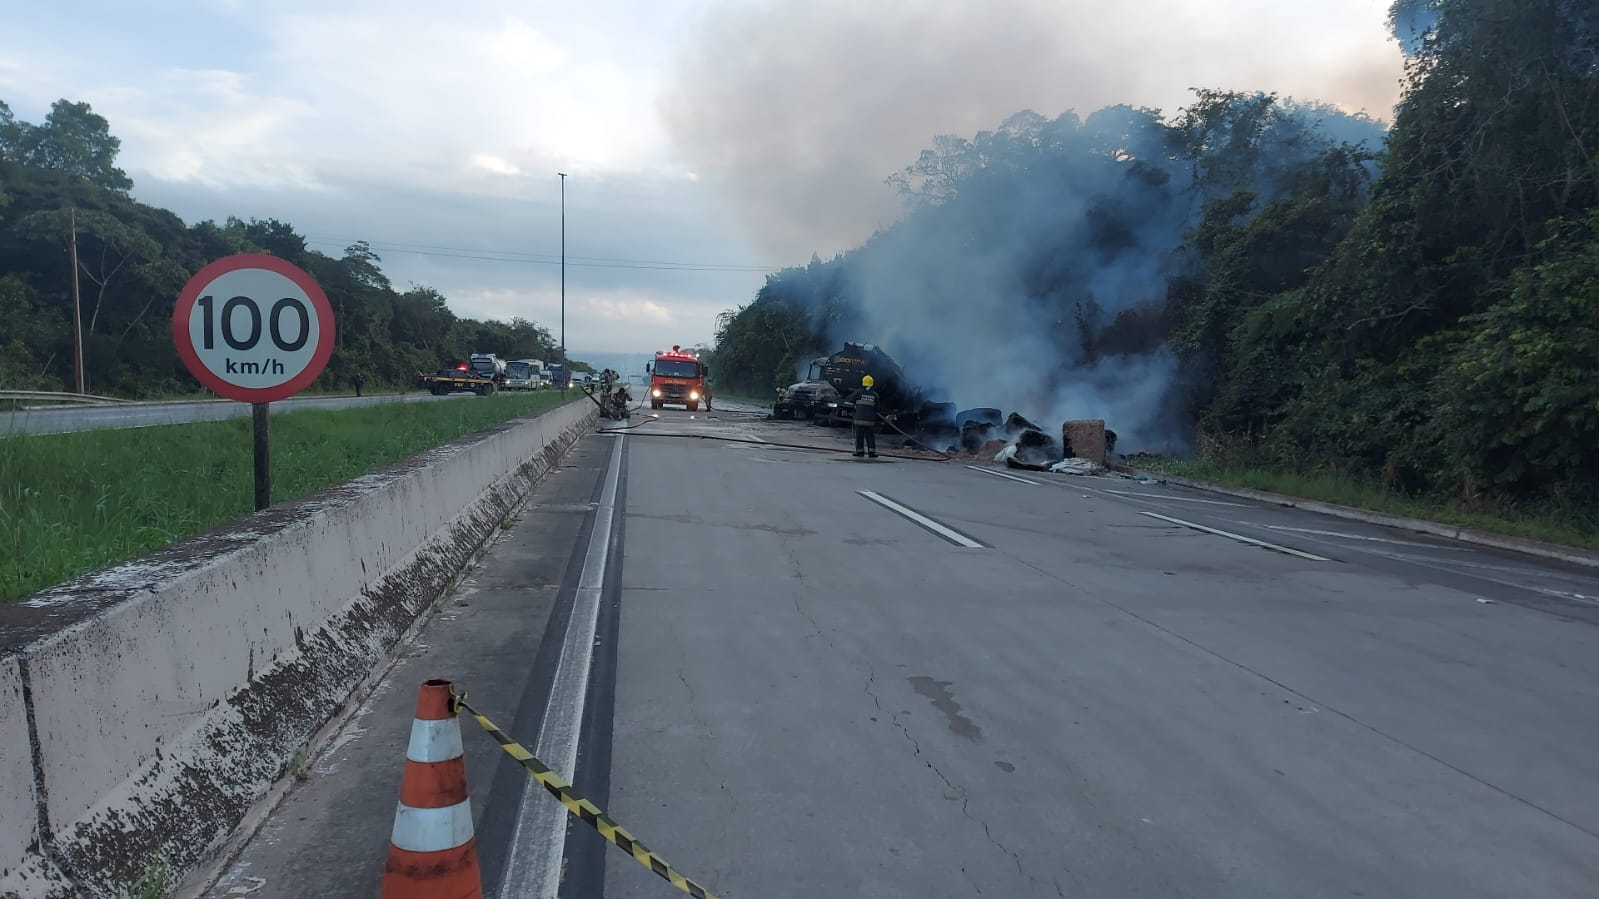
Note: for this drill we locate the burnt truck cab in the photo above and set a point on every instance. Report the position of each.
(822, 396)
(678, 378)
(810, 398)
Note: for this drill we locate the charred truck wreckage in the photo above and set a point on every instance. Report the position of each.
(1083, 446)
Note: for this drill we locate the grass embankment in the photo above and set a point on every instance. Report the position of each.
(1569, 530)
(765, 402)
(74, 503)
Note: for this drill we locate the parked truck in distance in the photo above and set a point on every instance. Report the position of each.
(490, 366)
(482, 374)
(560, 376)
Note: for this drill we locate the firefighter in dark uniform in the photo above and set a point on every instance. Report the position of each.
(865, 400)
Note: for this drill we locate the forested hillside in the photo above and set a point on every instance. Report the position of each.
(135, 258)
(1265, 280)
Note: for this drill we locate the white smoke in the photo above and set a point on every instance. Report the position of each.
(805, 107)
(800, 108)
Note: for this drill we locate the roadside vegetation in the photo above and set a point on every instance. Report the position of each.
(1572, 526)
(157, 882)
(752, 399)
(74, 503)
(134, 259)
(1410, 306)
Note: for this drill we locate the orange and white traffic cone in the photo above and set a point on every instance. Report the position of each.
(433, 850)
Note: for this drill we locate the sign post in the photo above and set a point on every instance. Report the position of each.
(255, 329)
(261, 416)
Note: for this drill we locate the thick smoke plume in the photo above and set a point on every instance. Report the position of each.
(802, 107)
(1038, 280)
(1032, 269)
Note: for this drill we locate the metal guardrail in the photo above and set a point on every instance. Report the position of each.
(52, 396)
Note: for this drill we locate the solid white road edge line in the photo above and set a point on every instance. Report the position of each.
(1001, 474)
(538, 839)
(1343, 536)
(953, 536)
(1239, 537)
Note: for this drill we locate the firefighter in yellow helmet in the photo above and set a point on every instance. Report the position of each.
(865, 400)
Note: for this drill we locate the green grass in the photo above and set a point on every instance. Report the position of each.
(75, 503)
(155, 883)
(195, 396)
(765, 401)
(1568, 530)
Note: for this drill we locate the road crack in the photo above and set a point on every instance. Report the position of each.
(705, 758)
(951, 786)
(816, 628)
(799, 575)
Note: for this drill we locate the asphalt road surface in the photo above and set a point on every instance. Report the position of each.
(804, 674)
(143, 415)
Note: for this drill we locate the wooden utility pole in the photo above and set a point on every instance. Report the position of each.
(77, 314)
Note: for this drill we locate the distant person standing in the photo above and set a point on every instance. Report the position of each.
(360, 381)
(865, 400)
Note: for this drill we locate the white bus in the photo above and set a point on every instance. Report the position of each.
(524, 374)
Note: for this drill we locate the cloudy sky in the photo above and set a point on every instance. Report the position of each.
(704, 140)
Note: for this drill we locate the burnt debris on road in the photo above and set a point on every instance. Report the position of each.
(983, 433)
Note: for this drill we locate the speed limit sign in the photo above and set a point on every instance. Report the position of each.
(253, 328)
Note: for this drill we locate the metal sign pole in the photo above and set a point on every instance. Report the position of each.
(261, 414)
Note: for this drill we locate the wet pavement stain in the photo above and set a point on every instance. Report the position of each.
(1005, 766)
(938, 692)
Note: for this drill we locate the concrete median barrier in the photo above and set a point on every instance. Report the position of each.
(167, 695)
(18, 804)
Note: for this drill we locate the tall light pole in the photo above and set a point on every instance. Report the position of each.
(77, 316)
(563, 267)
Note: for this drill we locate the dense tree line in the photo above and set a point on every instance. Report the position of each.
(134, 259)
(1422, 308)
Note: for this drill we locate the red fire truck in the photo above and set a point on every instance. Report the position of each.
(679, 377)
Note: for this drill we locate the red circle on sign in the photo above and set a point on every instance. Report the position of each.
(213, 382)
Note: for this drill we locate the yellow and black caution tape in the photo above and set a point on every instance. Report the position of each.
(581, 807)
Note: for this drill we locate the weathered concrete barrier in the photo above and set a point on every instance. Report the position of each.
(18, 803)
(145, 708)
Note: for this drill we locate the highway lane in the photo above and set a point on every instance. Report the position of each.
(816, 696)
(143, 415)
(797, 690)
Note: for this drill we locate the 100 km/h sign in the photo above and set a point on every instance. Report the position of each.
(253, 328)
